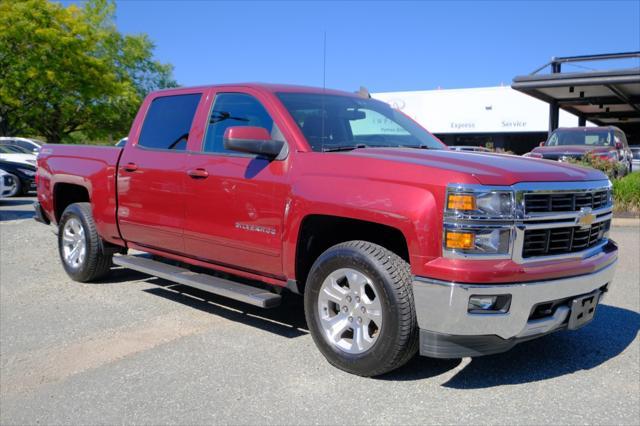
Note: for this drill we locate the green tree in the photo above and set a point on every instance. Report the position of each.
(65, 70)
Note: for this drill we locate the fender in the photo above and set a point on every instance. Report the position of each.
(409, 208)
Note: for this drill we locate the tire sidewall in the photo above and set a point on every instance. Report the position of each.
(18, 188)
(80, 273)
(348, 257)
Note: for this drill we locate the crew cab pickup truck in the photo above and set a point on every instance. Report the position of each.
(397, 244)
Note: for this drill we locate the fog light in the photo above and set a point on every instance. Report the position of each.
(482, 302)
(489, 304)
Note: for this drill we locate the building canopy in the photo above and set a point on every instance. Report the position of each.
(601, 97)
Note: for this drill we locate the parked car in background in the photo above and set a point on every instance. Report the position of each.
(635, 151)
(469, 148)
(122, 142)
(17, 154)
(573, 143)
(31, 145)
(7, 184)
(23, 174)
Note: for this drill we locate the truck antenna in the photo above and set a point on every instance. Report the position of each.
(324, 85)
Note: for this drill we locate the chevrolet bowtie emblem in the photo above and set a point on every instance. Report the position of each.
(585, 217)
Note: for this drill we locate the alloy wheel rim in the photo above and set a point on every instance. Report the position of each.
(74, 244)
(350, 311)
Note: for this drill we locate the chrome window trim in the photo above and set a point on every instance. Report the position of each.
(519, 222)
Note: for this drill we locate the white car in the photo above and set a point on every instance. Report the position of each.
(8, 185)
(31, 145)
(17, 154)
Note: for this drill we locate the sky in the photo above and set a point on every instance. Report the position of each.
(384, 46)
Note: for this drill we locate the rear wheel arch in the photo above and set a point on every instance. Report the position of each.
(65, 194)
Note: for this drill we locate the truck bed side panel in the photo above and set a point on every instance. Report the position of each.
(91, 167)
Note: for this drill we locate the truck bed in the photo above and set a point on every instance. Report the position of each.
(92, 168)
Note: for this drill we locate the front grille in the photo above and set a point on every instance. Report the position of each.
(565, 201)
(544, 242)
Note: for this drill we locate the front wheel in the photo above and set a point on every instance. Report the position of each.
(80, 247)
(360, 310)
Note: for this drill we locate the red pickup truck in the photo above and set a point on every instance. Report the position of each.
(398, 244)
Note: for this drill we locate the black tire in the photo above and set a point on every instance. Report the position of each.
(397, 342)
(97, 262)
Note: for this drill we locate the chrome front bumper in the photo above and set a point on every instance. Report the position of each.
(442, 308)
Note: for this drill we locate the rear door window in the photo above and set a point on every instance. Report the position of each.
(168, 122)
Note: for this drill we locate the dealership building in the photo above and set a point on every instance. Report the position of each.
(493, 117)
(519, 117)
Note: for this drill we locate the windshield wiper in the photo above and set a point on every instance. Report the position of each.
(343, 147)
(223, 115)
(415, 146)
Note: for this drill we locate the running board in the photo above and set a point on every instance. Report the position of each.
(226, 288)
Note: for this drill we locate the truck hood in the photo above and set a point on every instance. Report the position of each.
(488, 169)
(571, 149)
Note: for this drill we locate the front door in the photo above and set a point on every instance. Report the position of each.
(235, 202)
(152, 175)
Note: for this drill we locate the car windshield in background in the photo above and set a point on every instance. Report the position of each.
(581, 137)
(335, 123)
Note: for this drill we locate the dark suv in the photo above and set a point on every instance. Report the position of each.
(608, 143)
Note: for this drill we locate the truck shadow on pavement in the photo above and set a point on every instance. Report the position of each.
(558, 354)
(286, 320)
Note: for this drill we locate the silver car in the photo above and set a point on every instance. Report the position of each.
(635, 163)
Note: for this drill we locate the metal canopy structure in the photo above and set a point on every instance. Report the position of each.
(601, 97)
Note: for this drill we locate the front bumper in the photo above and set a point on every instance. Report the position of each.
(448, 330)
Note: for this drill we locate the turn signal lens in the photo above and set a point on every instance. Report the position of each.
(461, 202)
(460, 240)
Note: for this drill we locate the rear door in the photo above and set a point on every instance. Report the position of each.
(152, 173)
(235, 202)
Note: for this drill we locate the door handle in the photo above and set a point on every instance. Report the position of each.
(131, 167)
(198, 173)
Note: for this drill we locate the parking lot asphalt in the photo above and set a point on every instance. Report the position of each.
(135, 349)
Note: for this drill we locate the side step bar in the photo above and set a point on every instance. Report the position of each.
(226, 288)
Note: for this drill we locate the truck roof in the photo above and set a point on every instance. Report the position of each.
(268, 87)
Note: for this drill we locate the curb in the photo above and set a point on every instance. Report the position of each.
(625, 221)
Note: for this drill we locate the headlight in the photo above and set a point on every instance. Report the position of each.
(478, 240)
(27, 171)
(483, 204)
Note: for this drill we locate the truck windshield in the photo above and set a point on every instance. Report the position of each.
(595, 137)
(336, 123)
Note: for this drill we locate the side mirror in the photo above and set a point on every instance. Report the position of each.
(618, 145)
(252, 140)
(541, 143)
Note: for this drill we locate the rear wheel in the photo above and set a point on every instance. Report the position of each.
(360, 310)
(17, 189)
(81, 249)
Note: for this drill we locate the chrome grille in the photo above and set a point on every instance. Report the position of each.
(565, 201)
(551, 241)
